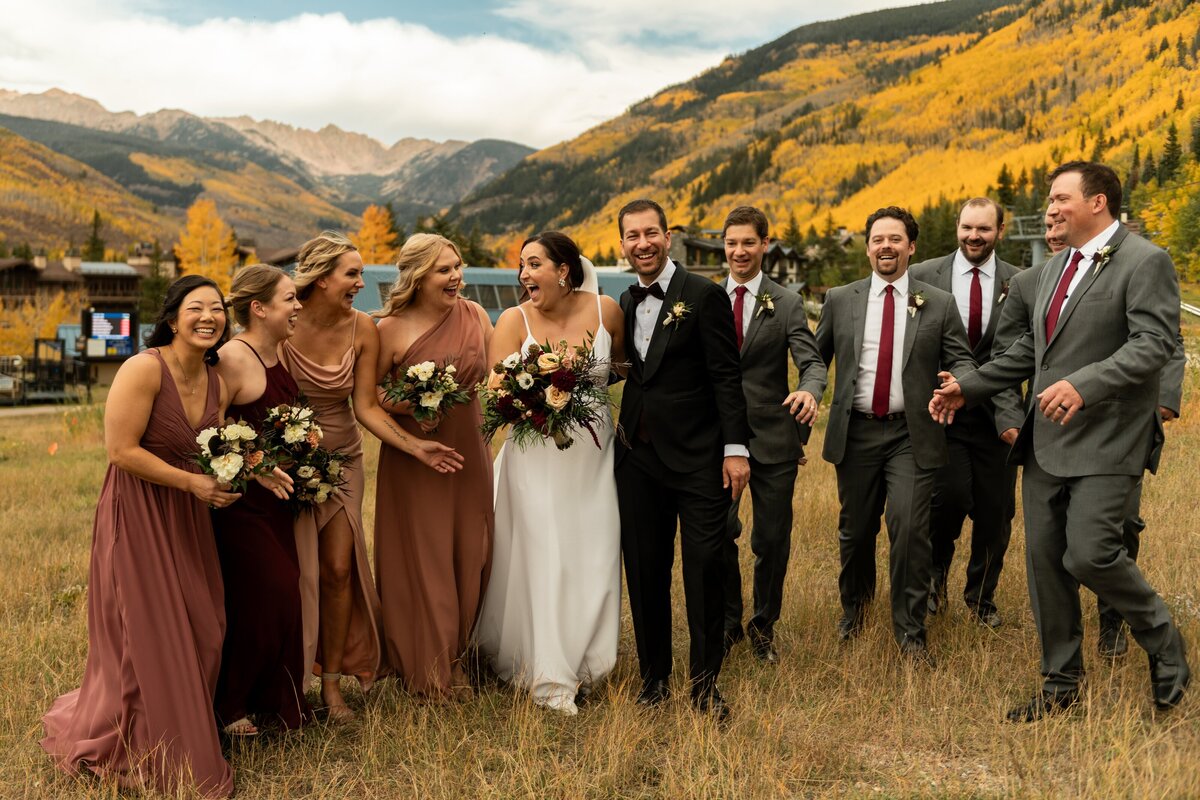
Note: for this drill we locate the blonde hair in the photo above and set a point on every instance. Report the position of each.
(318, 257)
(258, 282)
(417, 258)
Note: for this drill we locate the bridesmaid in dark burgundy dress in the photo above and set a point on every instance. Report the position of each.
(262, 663)
(143, 715)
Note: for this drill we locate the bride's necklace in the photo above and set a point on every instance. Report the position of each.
(187, 381)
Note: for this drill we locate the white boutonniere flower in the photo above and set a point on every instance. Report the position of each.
(1003, 293)
(765, 303)
(1102, 257)
(676, 314)
(915, 301)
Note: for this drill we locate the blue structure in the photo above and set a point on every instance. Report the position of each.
(494, 289)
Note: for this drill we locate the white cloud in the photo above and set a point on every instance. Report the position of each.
(382, 77)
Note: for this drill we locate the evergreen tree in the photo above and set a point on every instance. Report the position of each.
(1150, 170)
(3, 249)
(23, 251)
(93, 249)
(1179, 101)
(154, 287)
(791, 234)
(1195, 138)
(1172, 156)
(1131, 181)
(1004, 186)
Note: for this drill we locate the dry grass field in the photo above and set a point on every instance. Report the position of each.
(831, 720)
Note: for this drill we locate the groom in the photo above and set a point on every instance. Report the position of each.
(681, 454)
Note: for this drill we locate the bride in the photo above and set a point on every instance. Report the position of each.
(550, 616)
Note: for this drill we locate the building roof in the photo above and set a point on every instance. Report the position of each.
(279, 257)
(55, 272)
(88, 268)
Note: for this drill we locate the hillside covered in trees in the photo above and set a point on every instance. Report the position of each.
(919, 106)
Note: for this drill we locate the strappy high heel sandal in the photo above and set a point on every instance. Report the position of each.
(337, 713)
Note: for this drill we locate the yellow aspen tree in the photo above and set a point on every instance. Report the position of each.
(376, 239)
(207, 246)
(22, 322)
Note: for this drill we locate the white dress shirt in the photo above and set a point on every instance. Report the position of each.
(868, 359)
(646, 315)
(753, 287)
(960, 285)
(1085, 266)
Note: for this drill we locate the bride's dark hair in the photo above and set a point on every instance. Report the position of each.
(561, 250)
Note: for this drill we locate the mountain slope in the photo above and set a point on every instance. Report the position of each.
(901, 106)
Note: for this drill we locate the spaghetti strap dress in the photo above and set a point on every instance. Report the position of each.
(433, 532)
(262, 662)
(143, 714)
(328, 387)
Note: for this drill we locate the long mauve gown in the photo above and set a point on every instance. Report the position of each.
(433, 532)
(327, 387)
(262, 663)
(143, 714)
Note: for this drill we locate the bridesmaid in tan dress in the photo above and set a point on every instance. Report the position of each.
(156, 617)
(333, 356)
(433, 533)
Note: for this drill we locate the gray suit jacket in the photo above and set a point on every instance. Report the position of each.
(1116, 333)
(770, 339)
(1011, 406)
(939, 272)
(934, 339)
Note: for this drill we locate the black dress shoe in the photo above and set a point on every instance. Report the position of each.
(654, 693)
(848, 628)
(1113, 643)
(1169, 672)
(987, 617)
(918, 653)
(711, 703)
(1042, 704)
(765, 652)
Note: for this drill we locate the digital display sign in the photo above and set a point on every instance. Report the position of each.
(109, 335)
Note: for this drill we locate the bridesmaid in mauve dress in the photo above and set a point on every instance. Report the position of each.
(433, 533)
(262, 663)
(333, 356)
(143, 715)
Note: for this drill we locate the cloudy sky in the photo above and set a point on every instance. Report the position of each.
(532, 71)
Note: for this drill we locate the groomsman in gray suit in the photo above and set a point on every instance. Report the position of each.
(771, 327)
(977, 481)
(1012, 408)
(890, 334)
(1105, 321)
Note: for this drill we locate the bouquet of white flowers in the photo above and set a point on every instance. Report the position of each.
(430, 389)
(293, 439)
(234, 453)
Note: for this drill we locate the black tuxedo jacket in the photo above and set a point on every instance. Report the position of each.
(689, 388)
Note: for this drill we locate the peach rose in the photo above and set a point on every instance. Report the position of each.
(557, 399)
(548, 362)
(495, 381)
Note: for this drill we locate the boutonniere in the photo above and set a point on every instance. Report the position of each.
(915, 301)
(1102, 257)
(677, 313)
(765, 303)
(1003, 293)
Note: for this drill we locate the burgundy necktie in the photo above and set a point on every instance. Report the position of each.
(975, 320)
(738, 306)
(1060, 294)
(881, 396)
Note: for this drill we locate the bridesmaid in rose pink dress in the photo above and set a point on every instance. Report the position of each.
(433, 533)
(143, 714)
(332, 356)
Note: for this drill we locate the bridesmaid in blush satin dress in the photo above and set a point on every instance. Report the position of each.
(262, 662)
(333, 356)
(143, 714)
(433, 533)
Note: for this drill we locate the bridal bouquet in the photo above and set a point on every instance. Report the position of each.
(234, 453)
(293, 439)
(430, 389)
(544, 393)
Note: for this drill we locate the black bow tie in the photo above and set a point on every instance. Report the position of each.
(640, 293)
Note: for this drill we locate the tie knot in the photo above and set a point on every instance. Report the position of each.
(1075, 259)
(740, 291)
(889, 289)
(975, 271)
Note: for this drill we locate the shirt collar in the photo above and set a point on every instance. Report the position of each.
(664, 277)
(878, 284)
(1095, 244)
(753, 286)
(964, 267)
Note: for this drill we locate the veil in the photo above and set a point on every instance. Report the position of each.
(590, 282)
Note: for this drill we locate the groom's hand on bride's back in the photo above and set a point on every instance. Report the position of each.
(735, 472)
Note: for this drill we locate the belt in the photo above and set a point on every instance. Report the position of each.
(856, 414)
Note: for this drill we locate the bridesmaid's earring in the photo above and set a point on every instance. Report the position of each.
(174, 330)
(562, 283)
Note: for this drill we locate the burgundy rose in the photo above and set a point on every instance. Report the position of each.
(506, 409)
(563, 380)
(539, 420)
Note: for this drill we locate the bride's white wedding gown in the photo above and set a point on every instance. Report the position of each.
(551, 613)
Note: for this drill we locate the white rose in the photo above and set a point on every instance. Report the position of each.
(425, 370)
(202, 440)
(325, 489)
(512, 361)
(450, 369)
(321, 497)
(312, 483)
(304, 414)
(306, 472)
(293, 433)
(431, 399)
(227, 467)
(333, 469)
(524, 380)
